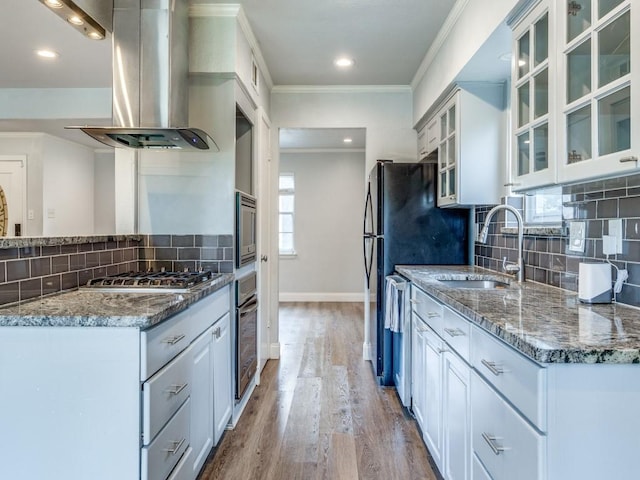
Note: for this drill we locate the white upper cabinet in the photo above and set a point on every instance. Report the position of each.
(470, 146)
(599, 98)
(533, 89)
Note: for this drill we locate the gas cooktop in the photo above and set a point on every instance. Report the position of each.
(156, 282)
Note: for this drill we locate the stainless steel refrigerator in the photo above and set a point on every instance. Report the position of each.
(403, 226)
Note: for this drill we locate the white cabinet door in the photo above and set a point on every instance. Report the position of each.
(201, 399)
(418, 368)
(456, 408)
(599, 98)
(222, 392)
(432, 429)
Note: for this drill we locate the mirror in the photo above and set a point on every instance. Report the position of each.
(56, 182)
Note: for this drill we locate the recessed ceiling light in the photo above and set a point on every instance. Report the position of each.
(347, 140)
(45, 53)
(75, 20)
(53, 3)
(343, 62)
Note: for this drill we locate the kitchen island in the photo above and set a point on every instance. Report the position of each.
(523, 381)
(115, 385)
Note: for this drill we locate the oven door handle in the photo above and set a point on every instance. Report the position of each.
(248, 307)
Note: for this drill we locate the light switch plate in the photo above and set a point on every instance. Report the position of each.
(615, 230)
(577, 234)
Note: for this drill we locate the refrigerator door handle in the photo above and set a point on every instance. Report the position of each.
(368, 213)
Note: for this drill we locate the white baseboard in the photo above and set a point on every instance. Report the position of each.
(274, 351)
(321, 297)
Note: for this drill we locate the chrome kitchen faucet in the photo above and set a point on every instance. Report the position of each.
(508, 267)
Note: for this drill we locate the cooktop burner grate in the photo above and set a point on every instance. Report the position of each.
(152, 280)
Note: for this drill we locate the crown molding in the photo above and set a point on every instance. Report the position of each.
(442, 35)
(233, 10)
(341, 89)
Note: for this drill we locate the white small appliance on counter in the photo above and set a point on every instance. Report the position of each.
(594, 283)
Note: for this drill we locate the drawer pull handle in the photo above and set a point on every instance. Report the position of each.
(454, 332)
(433, 314)
(490, 440)
(175, 339)
(414, 301)
(442, 350)
(492, 366)
(177, 389)
(175, 446)
(629, 159)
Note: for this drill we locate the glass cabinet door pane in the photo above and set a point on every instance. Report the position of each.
(614, 122)
(442, 155)
(579, 71)
(451, 150)
(578, 17)
(523, 104)
(605, 6)
(541, 93)
(523, 154)
(443, 184)
(541, 39)
(452, 119)
(443, 126)
(523, 55)
(540, 147)
(579, 135)
(452, 181)
(614, 56)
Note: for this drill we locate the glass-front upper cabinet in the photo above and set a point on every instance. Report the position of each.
(533, 92)
(599, 131)
(470, 145)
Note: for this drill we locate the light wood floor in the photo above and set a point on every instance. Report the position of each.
(318, 413)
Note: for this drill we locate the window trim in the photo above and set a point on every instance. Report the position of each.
(281, 192)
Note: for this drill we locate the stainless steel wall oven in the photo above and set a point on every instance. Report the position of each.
(245, 229)
(246, 331)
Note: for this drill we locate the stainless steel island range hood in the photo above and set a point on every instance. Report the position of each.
(151, 78)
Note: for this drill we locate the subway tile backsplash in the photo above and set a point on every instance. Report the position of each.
(30, 272)
(548, 258)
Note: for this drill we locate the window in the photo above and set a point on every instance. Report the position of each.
(286, 194)
(543, 207)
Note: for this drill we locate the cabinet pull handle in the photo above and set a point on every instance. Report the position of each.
(433, 314)
(442, 350)
(489, 439)
(492, 366)
(175, 339)
(177, 388)
(511, 184)
(216, 332)
(175, 446)
(454, 332)
(632, 158)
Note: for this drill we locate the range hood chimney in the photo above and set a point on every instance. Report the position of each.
(151, 78)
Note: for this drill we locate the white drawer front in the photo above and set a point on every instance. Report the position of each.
(208, 310)
(163, 394)
(479, 472)
(429, 309)
(504, 442)
(520, 380)
(456, 331)
(183, 470)
(160, 344)
(159, 458)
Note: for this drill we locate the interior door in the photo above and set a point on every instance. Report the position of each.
(12, 180)
(264, 240)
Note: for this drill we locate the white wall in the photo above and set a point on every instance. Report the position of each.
(67, 187)
(104, 186)
(328, 265)
(475, 24)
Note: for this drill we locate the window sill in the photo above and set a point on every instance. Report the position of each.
(536, 231)
(288, 256)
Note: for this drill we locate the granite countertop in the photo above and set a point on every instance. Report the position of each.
(84, 308)
(545, 323)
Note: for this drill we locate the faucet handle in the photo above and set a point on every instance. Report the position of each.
(510, 267)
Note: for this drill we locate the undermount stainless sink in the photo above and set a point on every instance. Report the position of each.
(477, 284)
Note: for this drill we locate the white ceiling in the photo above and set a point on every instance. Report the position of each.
(299, 40)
